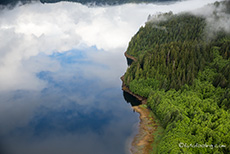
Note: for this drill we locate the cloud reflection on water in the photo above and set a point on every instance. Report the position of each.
(59, 76)
(79, 110)
(36, 28)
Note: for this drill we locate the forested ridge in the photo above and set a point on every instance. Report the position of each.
(185, 76)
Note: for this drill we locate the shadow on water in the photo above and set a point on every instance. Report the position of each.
(129, 61)
(131, 99)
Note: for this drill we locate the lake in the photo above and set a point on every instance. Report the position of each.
(81, 110)
(60, 69)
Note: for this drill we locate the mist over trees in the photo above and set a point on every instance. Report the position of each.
(185, 74)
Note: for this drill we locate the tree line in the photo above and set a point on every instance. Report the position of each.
(185, 77)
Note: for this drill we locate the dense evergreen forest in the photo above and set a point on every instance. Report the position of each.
(185, 76)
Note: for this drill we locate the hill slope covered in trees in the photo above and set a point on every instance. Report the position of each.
(185, 75)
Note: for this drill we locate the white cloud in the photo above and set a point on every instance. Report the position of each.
(31, 29)
(216, 17)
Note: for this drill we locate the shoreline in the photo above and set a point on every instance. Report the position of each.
(126, 89)
(144, 139)
(130, 57)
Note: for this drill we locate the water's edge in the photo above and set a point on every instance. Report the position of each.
(144, 139)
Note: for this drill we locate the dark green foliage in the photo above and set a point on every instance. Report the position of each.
(186, 80)
(174, 56)
(172, 28)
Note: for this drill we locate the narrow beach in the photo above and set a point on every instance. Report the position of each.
(142, 142)
(144, 139)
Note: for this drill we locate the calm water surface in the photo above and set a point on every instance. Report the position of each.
(60, 68)
(80, 111)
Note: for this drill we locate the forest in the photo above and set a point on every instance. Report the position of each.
(185, 76)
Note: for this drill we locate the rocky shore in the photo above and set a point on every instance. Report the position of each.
(143, 141)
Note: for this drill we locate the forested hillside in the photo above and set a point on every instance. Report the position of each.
(185, 75)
